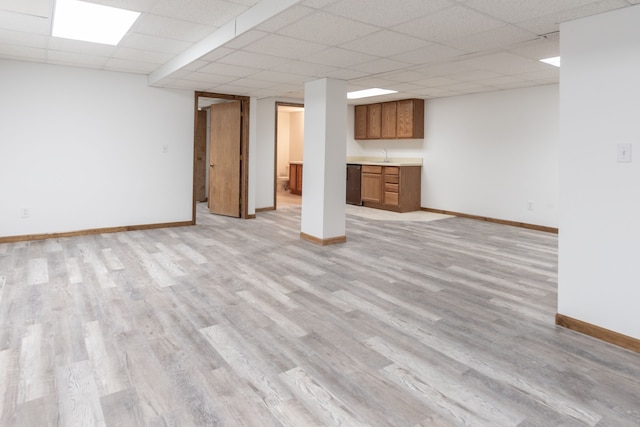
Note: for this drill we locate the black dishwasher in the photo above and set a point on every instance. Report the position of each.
(354, 177)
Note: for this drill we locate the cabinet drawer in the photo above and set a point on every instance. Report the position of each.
(393, 188)
(391, 170)
(371, 169)
(393, 179)
(391, 198)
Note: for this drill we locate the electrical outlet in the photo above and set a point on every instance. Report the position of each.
(530, 205)
(25, 213)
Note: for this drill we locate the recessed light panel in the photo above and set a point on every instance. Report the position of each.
(91, 22)
(369, 92)
(555, 61)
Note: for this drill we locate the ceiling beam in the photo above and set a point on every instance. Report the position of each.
(256, 15)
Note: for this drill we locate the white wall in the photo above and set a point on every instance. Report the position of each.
(599, 272)
(485, 154)
(284, 130)
(296, 136)
(84, 149)
(265, 152)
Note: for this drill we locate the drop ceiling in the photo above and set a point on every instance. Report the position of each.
(270, 48)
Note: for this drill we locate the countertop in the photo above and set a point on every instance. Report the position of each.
(379, 161)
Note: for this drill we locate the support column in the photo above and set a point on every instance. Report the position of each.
(325, 153)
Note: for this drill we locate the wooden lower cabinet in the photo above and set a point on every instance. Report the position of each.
(371, 184)
(394, 188)
(295, 178)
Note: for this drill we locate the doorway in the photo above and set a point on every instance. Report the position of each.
(289, 143)
(221, 142)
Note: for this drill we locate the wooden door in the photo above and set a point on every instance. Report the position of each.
(224, 159)
(200, 154)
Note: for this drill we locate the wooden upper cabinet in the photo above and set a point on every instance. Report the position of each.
(374, 121)
(360, 121)
(410, 118)
(389, 120)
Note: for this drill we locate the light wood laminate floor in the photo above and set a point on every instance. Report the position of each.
(241, 323)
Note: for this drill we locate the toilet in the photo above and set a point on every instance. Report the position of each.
(282, 183)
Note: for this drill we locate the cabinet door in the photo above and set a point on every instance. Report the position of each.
(389, 112)
(371, 187)
(360, 122)
(374, 121)
(410, 118)
(293, 178)
(299, 173)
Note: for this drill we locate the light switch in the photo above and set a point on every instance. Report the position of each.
(624, 153)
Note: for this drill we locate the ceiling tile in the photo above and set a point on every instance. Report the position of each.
(445, 24)
(465, 87)
(434, 92)
(380, 65)
(539, 49)
(368, 82)
(317, 4)
(228, 70)
(25, 23)
(253, 83)
(142, 55)
(23, 53)
(19, 38)
(475, 75)
(251, 59)
(286, 47)
(137, 5)
(337, 57)
(551, 22)
(501, 80)
(286, 17)
(492, 39)
(40, 8)
(304, 68)
(550, 74)
(428, 54)
(385, 43)
(162, 26)
(403, 76)
(436, 82)
(207, 12)
(65, 58)
(277, 77)
(77, 46)
(443, 69)
(518, 10)
(345, 74)
(155, 44)
(208, 78)
(328, 29)
(379, 12)
(505, 63)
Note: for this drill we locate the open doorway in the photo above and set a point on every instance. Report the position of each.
(221, 154)
(289, 143)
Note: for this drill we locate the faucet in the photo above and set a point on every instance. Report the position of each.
(386, 158)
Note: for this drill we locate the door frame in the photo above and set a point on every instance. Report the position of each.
(275, 148)
(244, 150)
